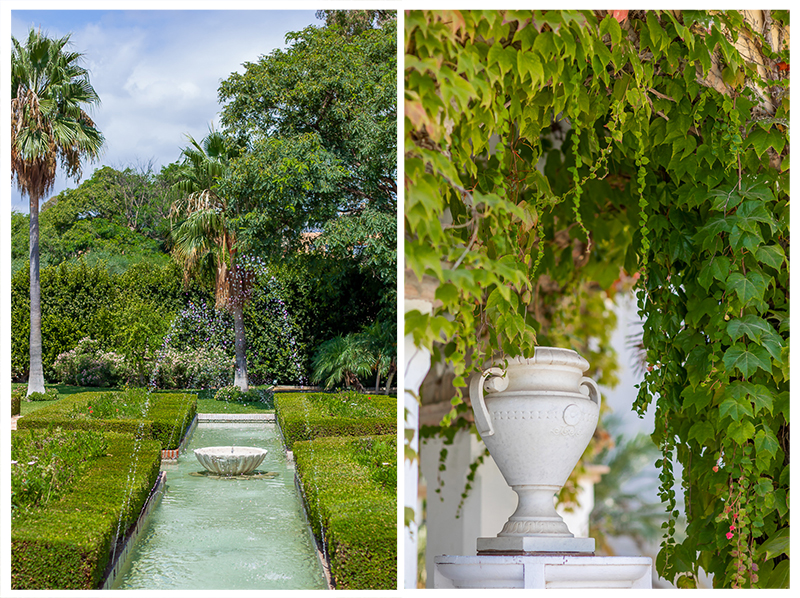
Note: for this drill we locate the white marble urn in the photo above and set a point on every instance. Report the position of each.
(536, 416)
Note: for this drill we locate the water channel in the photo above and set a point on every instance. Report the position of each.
(227, 533)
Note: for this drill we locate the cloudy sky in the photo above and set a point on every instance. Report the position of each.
(157, 71)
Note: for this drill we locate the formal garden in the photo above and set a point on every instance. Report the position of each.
(249, 285)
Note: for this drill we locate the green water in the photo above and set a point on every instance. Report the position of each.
(226, 534)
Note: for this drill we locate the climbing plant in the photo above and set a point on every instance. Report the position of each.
(549, 151)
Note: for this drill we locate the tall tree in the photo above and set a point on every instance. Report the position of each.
(48, 123)
(205, 238)
(321, 122)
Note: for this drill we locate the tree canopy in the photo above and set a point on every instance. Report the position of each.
(551, 149)
(320, 120)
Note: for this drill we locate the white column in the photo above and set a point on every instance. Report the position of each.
(417, 363)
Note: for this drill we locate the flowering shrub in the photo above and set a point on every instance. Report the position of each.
(87, 364)
(192, 368)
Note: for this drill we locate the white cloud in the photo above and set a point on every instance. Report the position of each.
(157, 72)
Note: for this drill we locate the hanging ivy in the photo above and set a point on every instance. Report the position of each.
(558, 149)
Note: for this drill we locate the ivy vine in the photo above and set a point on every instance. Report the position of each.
(550, 151)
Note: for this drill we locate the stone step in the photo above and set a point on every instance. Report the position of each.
(235, 417)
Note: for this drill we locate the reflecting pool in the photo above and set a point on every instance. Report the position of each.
(213, 533)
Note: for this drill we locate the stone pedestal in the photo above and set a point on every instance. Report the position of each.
(521, 545)
(543, 572)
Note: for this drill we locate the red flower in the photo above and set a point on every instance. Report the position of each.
(729, 535)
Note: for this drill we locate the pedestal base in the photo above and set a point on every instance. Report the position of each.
(521, 545)
(543, 572)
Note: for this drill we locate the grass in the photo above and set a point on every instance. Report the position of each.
(214, 406)
(205, 400)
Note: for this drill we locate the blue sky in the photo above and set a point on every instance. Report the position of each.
(157, 71)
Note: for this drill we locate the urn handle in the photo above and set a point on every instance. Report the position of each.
(594, 390)
(477, 385)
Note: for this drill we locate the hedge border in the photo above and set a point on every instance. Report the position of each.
(68, 544)
(299, 419)
(159, 424)
(16, 403)
(353, 516)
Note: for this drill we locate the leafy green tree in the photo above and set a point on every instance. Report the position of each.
(204, 237)
(49, 90)
(120, 216)
(355, 22)
(320, 120)
(369, 239)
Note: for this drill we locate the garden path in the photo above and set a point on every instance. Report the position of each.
(14, 419)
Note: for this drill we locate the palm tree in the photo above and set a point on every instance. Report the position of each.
(343, 359)
(381, 341)
(205, 241)
(48, 124)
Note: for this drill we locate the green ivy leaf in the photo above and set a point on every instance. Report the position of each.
(750, 325)
(724, 200)
(702, 431)
(757, 394)
(741, 431)
(696, 398)
(766, 444)
(776, 545)
(736, 408)
(771, 255)
(750, 213)
(529, 63)
(748, 287)
(761, 140)
(747, 360)
(447, 293)
(717, 268)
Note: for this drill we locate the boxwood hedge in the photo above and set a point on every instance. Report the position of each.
(167, 417)
(16, 403)
(68, 544)
(352, 511)
(304, 416)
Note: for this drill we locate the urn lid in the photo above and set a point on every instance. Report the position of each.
(553, 356)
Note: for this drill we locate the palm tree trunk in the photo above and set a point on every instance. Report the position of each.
(389, 377)
(240, 375)
(36, 372)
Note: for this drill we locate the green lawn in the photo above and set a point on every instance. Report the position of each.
(204, 404)
(213, 406)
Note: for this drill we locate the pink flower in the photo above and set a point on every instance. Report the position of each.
(729, 535)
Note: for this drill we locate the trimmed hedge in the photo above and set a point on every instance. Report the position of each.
(16, 401)
(350, 509)
(305, 416)
(168, 417)
(68, 544)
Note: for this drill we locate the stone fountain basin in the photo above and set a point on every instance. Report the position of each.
(230, 460)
